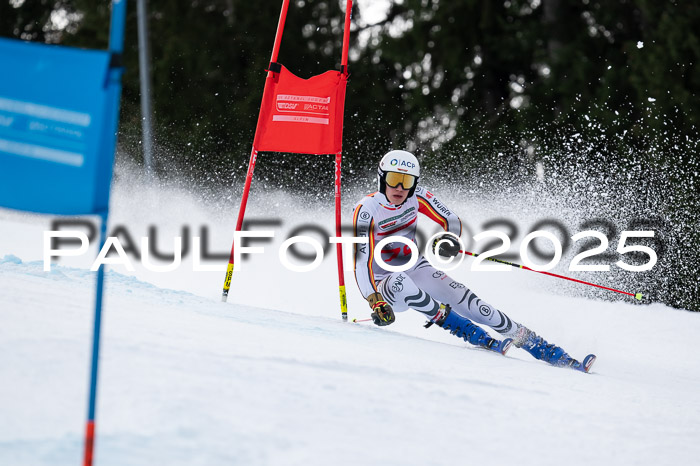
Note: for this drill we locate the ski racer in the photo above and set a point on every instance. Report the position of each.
(393, 211)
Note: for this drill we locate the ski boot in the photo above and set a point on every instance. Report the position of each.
(552, 354)
(540, 349)
(469, 331)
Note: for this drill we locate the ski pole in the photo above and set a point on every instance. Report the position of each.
(360, 320)
(638, 296)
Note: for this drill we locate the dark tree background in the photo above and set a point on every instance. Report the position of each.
(596, 89)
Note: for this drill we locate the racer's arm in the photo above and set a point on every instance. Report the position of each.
(363, 225)
(430, 206)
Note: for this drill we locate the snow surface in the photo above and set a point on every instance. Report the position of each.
(274, 377)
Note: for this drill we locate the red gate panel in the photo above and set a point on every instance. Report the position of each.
(302, 115)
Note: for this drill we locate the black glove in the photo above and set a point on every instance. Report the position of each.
(449, 247)
(382, 314)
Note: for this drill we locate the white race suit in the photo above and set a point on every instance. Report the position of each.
(422, 287)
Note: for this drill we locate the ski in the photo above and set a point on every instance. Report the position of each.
(499, 346)
(584, 366)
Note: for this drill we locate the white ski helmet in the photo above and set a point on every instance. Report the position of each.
(404, 165)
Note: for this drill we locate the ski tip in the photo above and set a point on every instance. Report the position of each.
(588, 362)
(505, 345)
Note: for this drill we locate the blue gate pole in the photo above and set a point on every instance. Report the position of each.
(116, 28)
(90, 430)
(116, 46)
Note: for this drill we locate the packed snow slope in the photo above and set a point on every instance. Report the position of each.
(274, 377)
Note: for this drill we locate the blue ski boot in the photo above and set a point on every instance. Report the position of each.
(540, 349)
(469, 331)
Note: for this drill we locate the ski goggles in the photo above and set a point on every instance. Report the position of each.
(394, 179)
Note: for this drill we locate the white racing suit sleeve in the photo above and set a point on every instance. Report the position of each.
(363, 226)
(435, 210)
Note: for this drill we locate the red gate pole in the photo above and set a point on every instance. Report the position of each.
(339, 246)
(239, 222)
(338, 160)
(253, 157)
(280, 30)
(346, 36)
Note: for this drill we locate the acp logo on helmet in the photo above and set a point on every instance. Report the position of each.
(402, 163)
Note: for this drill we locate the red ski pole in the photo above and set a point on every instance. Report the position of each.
(638, 296)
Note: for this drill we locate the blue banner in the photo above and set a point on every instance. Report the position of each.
(58, 120)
